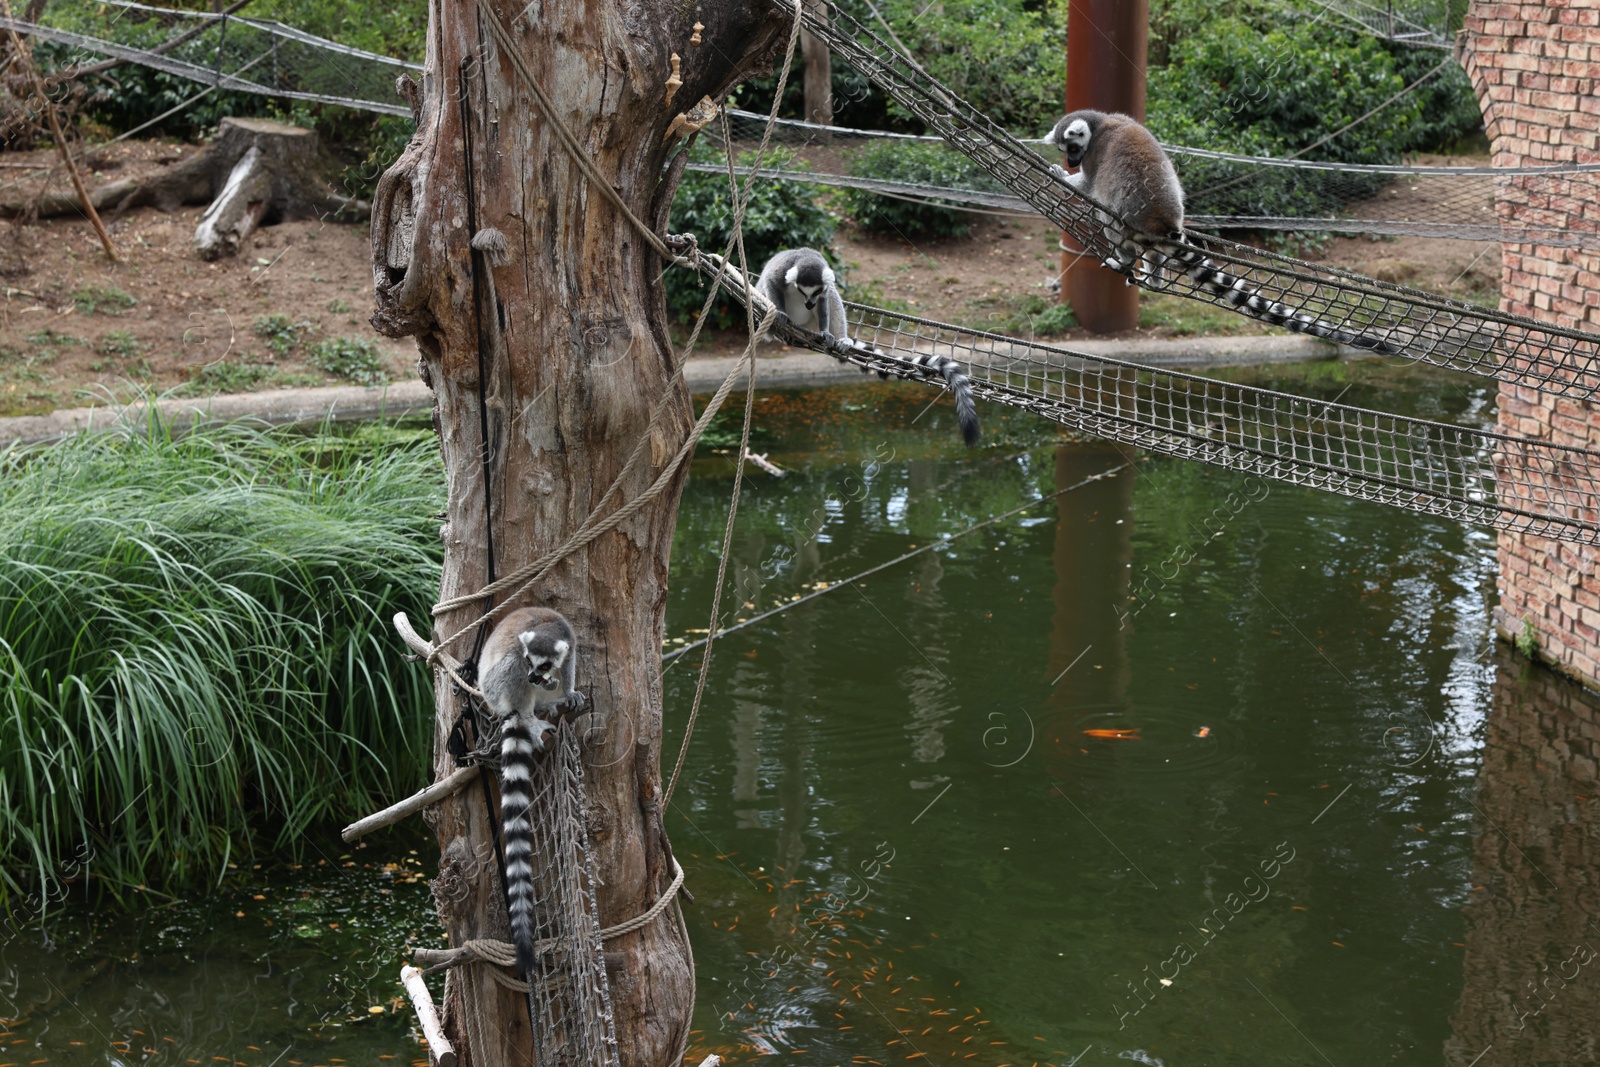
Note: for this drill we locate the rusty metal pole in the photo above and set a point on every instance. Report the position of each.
(1106, 43)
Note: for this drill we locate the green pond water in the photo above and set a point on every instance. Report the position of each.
(1179, 767)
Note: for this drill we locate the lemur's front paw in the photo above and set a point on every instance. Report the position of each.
(576, 701)
(540, 728)
(1058, 173)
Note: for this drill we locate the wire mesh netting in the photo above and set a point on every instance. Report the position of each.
(568, 994)
(1229, 191)
(1224, 190)
(231, 52)
(1471, 476)
(1424, 23)
(1389, 319)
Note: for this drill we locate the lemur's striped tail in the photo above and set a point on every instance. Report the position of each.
(955, 377)
(960, 388)
(517, 750)
(1237, 294)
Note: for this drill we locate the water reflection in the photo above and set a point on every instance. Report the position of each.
(1531, 967)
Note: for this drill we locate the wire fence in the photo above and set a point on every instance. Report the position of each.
(1230, 191)
(232, 52)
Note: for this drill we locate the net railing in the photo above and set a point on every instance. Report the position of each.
(568, 994)
(1390, 319)
(1472, 476)
(1231, 191)
(1423, 23)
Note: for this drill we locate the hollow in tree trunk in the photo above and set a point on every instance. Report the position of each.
(576, 355)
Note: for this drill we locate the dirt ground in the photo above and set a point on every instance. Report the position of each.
(75, 326)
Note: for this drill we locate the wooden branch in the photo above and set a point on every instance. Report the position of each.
(711, 1061)
(440, 1052)
(26, 57)
(444, 787)
(409, 635)
(760, 460)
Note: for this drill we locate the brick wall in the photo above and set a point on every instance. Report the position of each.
(1524, 999)
(1536, 70)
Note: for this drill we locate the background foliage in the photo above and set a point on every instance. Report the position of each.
(779, 215)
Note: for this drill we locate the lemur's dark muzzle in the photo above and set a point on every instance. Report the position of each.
(1074, 154)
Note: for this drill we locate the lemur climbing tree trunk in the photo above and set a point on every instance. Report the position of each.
(572, 333)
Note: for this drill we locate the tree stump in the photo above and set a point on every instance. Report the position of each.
(255, 172)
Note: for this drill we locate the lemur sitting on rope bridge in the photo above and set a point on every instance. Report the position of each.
(801, 285)
(529, 663)
(1123, 167)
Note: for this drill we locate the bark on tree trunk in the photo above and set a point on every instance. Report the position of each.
(577, 355)
(818, 81)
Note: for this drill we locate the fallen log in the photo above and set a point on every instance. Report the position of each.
(253, 173)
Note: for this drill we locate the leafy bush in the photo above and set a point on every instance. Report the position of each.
(1449, 110)
(351, 359)
(195, 656)
(239, 376)
(921, 163)
(1007, 58)
(780, 215)
(1232, 88)
(1293, 86)
(280, 332)
(104, 300)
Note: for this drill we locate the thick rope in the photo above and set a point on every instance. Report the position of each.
(733, 502)
(502, 955)
(508, 46)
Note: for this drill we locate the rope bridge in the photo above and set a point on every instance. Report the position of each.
(1417, 325)
(1470, 476)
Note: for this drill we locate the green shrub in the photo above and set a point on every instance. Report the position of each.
(103, 300)
(780, 215)
(351, 359)
(280, 332)
(1007, 58)
(239, 376)
(195, 651)
(921, 163)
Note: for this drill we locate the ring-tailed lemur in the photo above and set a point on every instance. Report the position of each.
(1124, 168)
(528, 663)
(801, 285)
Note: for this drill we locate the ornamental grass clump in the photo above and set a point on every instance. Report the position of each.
(196, 659)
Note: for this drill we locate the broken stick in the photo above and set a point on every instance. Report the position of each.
(436, 792)
(440, 1052)
(49, 108)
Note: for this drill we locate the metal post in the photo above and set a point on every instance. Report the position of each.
(1106, 44)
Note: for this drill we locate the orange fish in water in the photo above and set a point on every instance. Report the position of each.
(1204, 731)
(1115, 735)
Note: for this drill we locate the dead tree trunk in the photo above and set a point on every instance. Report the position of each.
(818, 81)
(572, 324)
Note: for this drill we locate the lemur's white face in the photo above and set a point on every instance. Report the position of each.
(1074, 141)
(543, 660)
(809, 293)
